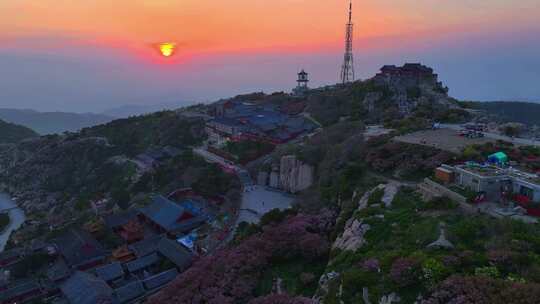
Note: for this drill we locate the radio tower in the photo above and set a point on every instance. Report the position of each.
(347, 69)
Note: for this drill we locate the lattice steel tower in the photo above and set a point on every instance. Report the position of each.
(347, 69)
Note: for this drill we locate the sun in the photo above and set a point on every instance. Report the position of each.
(167, 49)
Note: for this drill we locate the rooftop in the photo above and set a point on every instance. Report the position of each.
(129, 292)
(160, 279)
(483, 170)
(18, 290)
(494, 171)
(175, 252)
(58, 271)
(147, 246)
(84, 288)
(78, 247)
(119, 219)
(171, 216)
(142, 263)
(110, 272)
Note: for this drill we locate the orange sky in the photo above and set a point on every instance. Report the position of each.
(235, 25)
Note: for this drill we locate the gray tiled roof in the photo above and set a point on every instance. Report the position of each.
(146, 246)
(18, 290)
(8, 254)
(160, 279)
(59, 270)
(175, 252)
(120, 219)
(129, 292)
(110, 272)
(142, 263)
(166, 213)
(84, 288)
(78, 247)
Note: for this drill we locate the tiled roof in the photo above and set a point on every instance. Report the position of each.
(78, 247)
(59, 270)
(167, 213)
(110, 272)
(175, 252)
(18, 290)
(160, 279)
(13, 253)
(146, 246)
(129, 292)
(227, 121)
(142, 263)
(84, 288)
(120, 219)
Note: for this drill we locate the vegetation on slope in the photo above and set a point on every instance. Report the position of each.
(523, 112)
(236, 274)
(396, 257)
(136, 134)
(12, 133)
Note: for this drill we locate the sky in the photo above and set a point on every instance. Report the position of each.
(81, 55)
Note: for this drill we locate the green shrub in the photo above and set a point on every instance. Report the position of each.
(439, 203)
(376, 197)
(433, 271)
(488, 271)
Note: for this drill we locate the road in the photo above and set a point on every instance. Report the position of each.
(518, 141)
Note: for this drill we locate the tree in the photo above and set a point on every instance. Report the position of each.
(231, 275)
(281, 299)
(512, 129)
(483, 290)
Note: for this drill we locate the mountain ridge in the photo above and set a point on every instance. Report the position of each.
(52, 122)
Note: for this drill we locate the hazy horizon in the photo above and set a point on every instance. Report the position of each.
(60, 58)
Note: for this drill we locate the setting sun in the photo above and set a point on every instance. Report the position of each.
(167, 49)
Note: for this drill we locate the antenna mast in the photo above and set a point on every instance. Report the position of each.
(347, 69)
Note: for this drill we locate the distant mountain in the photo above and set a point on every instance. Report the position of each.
(12, 133)
(135, 110)
(515, 111)
(52, 122)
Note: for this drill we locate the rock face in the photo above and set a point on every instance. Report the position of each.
(353, 236)
(290, 175)
(324, 285)
(442, 242)
(274, 178)
(262, 178)
(294, 176)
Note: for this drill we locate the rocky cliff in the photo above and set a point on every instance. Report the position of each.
(290, 175)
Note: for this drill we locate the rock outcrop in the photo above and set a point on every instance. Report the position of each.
(353, 236)
(290, 175)
(294, 176)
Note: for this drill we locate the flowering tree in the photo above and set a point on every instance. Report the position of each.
(371, 265)
(404, 272)
(483, 290)
(281, 299)
(231, 275)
